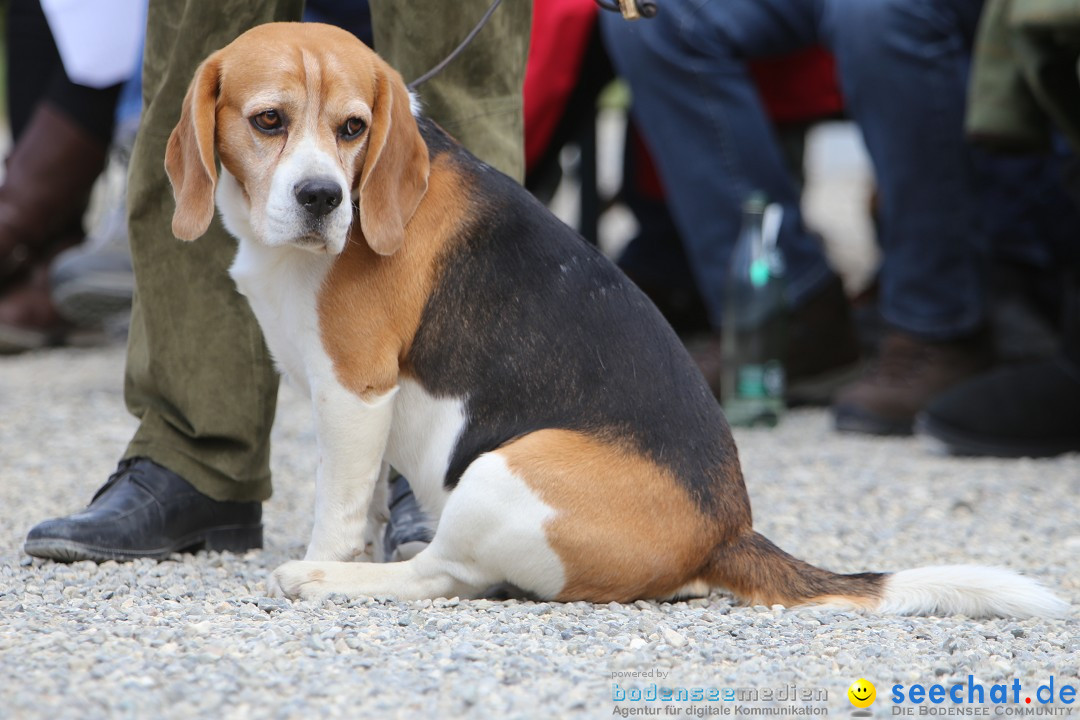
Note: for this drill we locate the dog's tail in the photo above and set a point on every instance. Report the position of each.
(760, 573)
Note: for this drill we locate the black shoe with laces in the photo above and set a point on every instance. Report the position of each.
(147, 511)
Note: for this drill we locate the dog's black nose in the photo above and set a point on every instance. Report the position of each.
(319, 197)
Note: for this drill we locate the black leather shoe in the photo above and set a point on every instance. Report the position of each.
(409, 530)
(1030, 410)
(147, 511)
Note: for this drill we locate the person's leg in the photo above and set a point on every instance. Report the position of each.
(92, 284)
(714, 145)
(50, 173)
(198, 375)
(702, 117)
(904, 68)
(477, 98)
(32, 58)
(1023, 410)
(60, 132)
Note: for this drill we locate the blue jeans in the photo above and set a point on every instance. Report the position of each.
(903, 67)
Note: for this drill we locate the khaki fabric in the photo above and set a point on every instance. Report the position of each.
(477, 98)
(198, 375)
(1024, 81)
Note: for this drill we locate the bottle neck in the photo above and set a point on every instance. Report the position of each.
(753, 240)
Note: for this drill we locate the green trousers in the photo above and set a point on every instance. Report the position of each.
(198, 375)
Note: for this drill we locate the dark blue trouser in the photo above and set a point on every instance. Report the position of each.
(903, 67)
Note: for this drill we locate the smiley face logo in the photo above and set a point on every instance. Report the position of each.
(862, 693)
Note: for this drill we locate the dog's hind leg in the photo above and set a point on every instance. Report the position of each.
(491, 531)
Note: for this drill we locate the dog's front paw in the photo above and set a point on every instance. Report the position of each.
(273, 587)
(302, 580)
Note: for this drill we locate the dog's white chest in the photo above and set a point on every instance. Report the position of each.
(282, 286)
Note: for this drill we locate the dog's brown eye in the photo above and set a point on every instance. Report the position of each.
(352, 128)
(268, 121)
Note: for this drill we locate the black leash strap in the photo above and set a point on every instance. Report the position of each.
(457, 51)
(630, 9)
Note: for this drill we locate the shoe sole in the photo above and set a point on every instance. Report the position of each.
(959, 443)
(240, 538)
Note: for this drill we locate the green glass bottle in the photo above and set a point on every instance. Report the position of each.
(754, 327)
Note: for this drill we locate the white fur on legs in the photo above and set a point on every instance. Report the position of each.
(352, 439)
(971, 590)
(422, 577)
(377, 517)
(491, 531)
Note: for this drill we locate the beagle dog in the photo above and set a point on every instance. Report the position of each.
(443, 322)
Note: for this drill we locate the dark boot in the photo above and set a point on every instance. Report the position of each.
(1029, 410)
(28, 318)
(147, 511)
(50, 173)
(907, 374)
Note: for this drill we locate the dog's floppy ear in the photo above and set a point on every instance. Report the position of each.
(395, 173)
(189, 157)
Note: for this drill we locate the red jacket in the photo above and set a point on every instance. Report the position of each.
(797, 87)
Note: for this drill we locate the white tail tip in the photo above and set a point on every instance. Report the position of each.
(970, 590)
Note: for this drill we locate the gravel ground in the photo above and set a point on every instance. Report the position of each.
(196, 636)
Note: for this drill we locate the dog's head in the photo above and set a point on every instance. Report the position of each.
(308, 122)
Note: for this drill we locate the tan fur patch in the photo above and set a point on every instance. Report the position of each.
(370, 305)
(625, 528)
